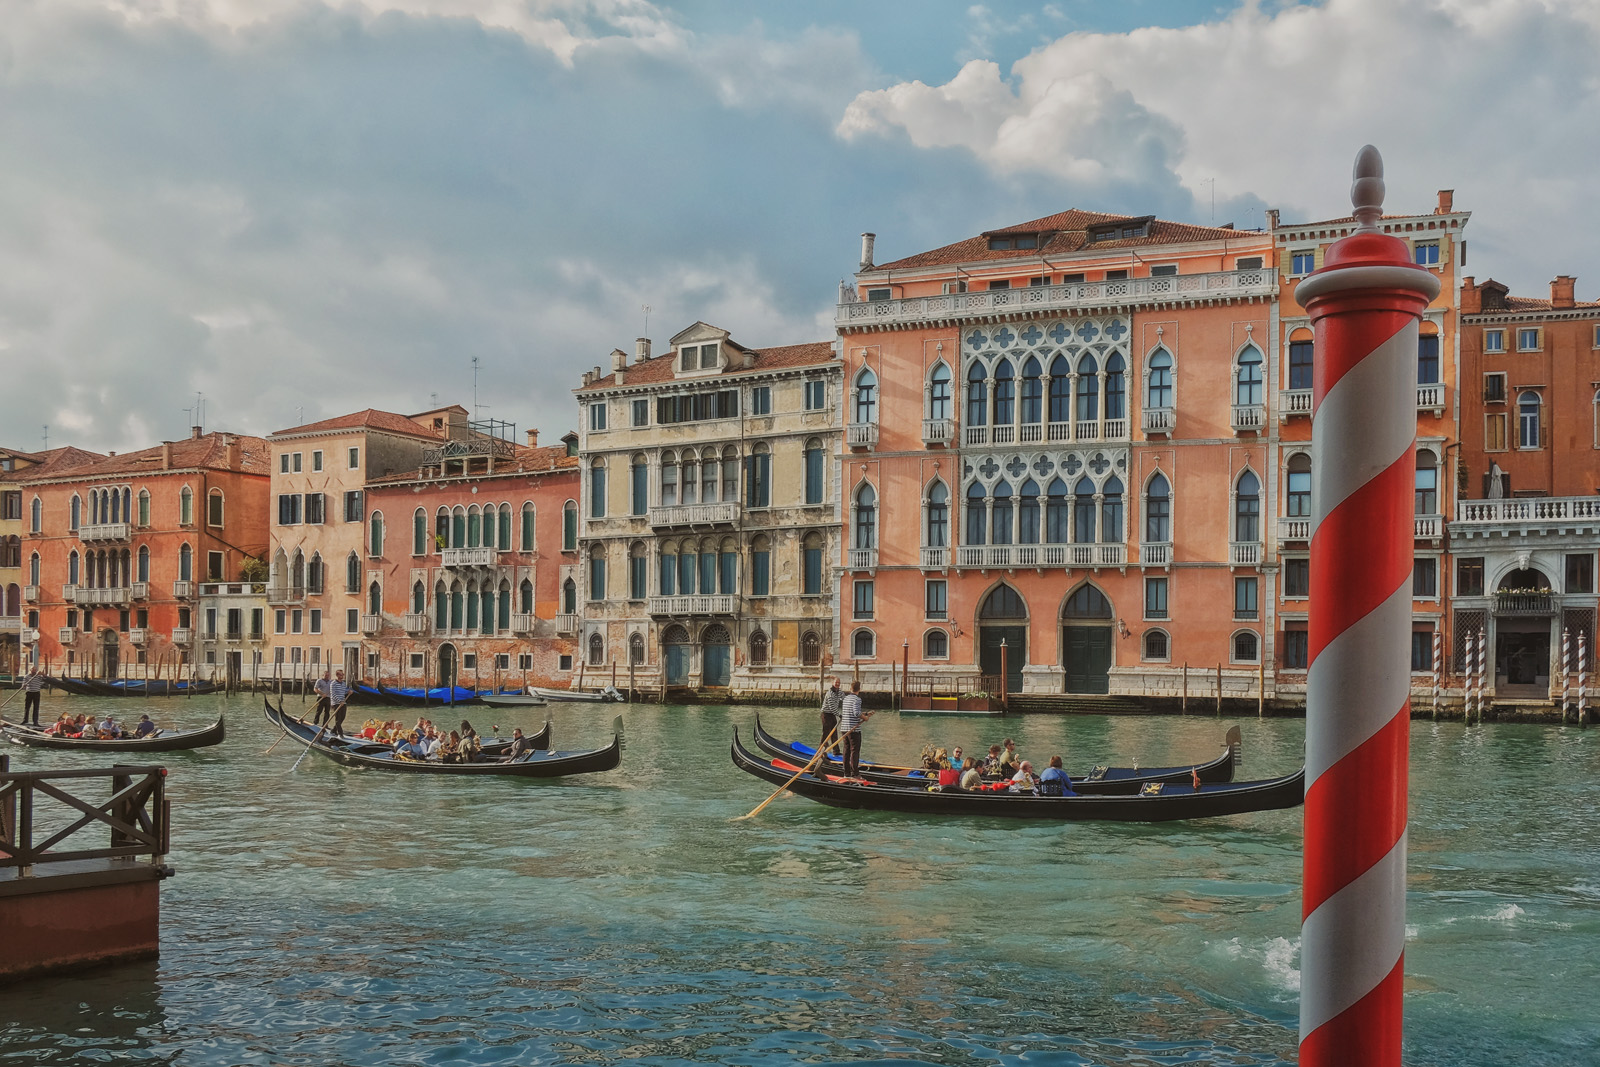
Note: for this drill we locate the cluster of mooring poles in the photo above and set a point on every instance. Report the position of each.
(1365, 305)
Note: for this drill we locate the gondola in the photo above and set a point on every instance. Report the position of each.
(1155, 802)
(160, 741)
(447, 696)
(74, 686)
(606, 695)
(157, 689)
(492, 746)
(538, 764)
(1100, 781)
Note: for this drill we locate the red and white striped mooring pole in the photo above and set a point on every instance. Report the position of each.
(1364, 304)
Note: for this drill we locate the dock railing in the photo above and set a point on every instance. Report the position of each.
(137, 813)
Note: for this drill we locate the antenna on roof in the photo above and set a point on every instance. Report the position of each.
(646, 309)
(47, 437)
(474, 386)
(300, 415)
(1213, 184)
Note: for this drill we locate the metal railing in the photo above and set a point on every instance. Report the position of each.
(285, 594)
(137, 813)
(1523, 602)
(716, 514)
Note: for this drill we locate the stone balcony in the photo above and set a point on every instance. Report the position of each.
(1293, 528)
(1244, 553)
(567, 623)
(1006, 557)
(699, 604)
(69, 593)
(1541, 514)
(482, 556)
(105, 531)
(1073, 297)
(1155, 555)
(861, 435)
(30, 593)
(183, 590)
(10, 623)
(1248, 418)
(66, 635)
(1160, 420)
(371, 624)
(136, 635)
(115, 596)
(522, 623)
(1293, 402)
(1430, 397)
(1428, 527)
(285, 594)
(935, 559)
(938, 431)
(725, 513)
(862, 559)
(182, 635)
(416, 622)
(141, 590)
(1523, 602)
(1029, 433)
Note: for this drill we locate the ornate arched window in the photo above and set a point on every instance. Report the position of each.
(636, 649)
(75, 512)
(569, 526)
(1116, 387)
(1003, 602)
(977, 515)
(144, 563)
(1158, 383)
(1158, 511)
(441, 606)
(419, 598)
(185, 563)
(1005, 393)
(375, 538)
(864, 404)
(1111, 510)
(374, 599)
(569, 597)
(528, 515)
(758, 648)
(1032, 393)
(314, 573)
(977, 395)
(503, 529)
(1247, 508)
(1529, 406)
(639, 485)
(1002, 514)
(597, 573)
(352, 573)
(1087, 602)
(35, 515)
(214, 508)
(814, 471)
(144, 507)
(458, 527)
(864, 518)
(939, 391)
(1060, 390)
(1028, 513)
(1057, 513)
(419, 532)
(475, 531)
(1247, 380)
(525, 597)
(597, 488)
(73, 568)
(810, 649)
(1088, 389)
(1297, 486)
(186, 506)
(1083, 511)
(936, 533)
(597, 649)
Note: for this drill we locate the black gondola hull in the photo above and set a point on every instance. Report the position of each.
(164, 742)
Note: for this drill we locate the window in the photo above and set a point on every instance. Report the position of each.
(419, 533)
(935, 605)
(1247, 263)
(1245, 605)
(1163, 270)
(597, 489)
(1298, 483)
(316, 460)
(144, 507)
(640, 495)
(352, 573)
(354, 506)
(185, 507)
(1005, 394)
(316, 620)
(280, 621)
(1427, 494)
(1428, 359)
(295, 465)
(1116, 275)
(698, 407)
(1302, 262)
(1421, 651)
(1247, 385)
(1469, 576)
(863, 644)
(283, 463)
(708, 356)
(641, 413)
(1155, 598)
(214, 567)
(813, 462)
(354, 459)
(1494, 432)
(352, 620)
(1296, 648)
(1296, 577)
(861, 604)
(1245, 646)
(864, 409)
(569, 526)
(527, 526)
(1001, 283)
(1247, 509)
(761, 400)
(939, 391)
(375, 540)
(1529, 339)
(1157, 646)
(760, 567)
(938, 532)
(315, 508)
(1426, 253)
(1494, 388)
(811, 565)
(597, 650)
(1425, 578)
(1158, 390)
(1528, 405)
(597, 574)
(758, 485)
(864, 522)
(936, 645)
(297, 621)
(1033, 393)
(688, 357)
(214, 508)
(597, 415)
(1494, 340)
(1300, 364)
(816, 394)
(1580, 573)
(1088, 389)
(638, 572)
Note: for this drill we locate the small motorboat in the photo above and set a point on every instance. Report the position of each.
(604, 695)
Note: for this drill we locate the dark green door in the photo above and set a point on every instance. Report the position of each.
(717, 661)
(1016, 653)
(677, 664)
(447, 665)
(1088, 658)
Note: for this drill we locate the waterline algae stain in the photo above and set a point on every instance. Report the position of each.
(339, 916)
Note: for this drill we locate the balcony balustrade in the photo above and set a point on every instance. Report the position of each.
(721, 514)
(1244, 553)
(703, 604)
(1294, 402)
(30, 593)
(861, 435)
(1248, 418)
(863, 559)
(1005, 557)
(136, 635)
(935, 559)
(1156, 555)
(30, 636)
(232, 588)
(182, 635)
(285, 594)
(1523, 602)
(371, 624)
(66, 635)
(938, 431)
(1071, 296)
(96, 596)
(69, 593)
(1429, 527)
(1035, 432)
(1160, 420)
(183, 590)
(10, 623)
(1294, 529)
(482, 556)
(1527, 512)
(1431, 398)
(567, 623)
(141, 590)
(105, 531)
(416, 622)
(522, 623)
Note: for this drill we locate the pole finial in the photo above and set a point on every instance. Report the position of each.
(1366, 188)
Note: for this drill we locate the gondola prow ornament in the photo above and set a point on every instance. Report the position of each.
(1365, 304)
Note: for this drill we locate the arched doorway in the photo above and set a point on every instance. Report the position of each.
(675, 654)
(447, 665)
(716, 656)
(1086, 641)
(1524, 610)
(110, 653)
(1003, 635)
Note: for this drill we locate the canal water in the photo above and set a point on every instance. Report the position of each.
(322, 915)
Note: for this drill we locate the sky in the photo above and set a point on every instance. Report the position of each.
(298, 208)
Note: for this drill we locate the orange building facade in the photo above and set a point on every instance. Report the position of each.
(464, 566)
(116, 547)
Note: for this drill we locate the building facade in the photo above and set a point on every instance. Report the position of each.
(115, 548)
(19, 625)
(709, 514)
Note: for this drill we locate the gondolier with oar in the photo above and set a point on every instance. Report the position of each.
(30, 699)
(832, 701)
(324, 704)
(338, 698)
(850, 720)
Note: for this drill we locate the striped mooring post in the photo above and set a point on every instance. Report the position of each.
(1365, 305)
(1566, 670)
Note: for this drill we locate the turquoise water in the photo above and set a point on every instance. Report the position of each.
(330, 916)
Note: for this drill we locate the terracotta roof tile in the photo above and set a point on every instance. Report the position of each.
(1533, 303)
(538, 460)
(209, 451)
(658, 369)
(368, 419)
(51, 464)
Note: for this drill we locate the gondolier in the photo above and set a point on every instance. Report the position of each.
(324, 704)
(850, 720)
(832, 701)
(338, 698)
(30, 698)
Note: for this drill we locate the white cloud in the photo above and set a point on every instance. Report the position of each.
(1495, 98)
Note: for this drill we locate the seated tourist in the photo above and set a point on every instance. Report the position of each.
(109, 727)
(991, 765)
(1055, 782)
(949, 775)
(971, 777)
(86, 729)
(1009, 760)
(369, 729)
(471, 748)
(450, 748)
(956, 757)
(1023, 781)
(467, 730)
(64, 727)
(520, 746)
(409, 747)
(430, 743)
(145, 727)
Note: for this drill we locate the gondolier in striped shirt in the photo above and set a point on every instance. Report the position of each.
(338, 697)
(30, 698)
(850, 720)
(832, 701)
(323, 688)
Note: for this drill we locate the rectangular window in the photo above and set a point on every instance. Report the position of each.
(1155, 598)
(1494, 388)
(1163, 270)
(1421, 651)
(861, 605)
(72, 617)
(283, 463)
(1072, 279)
(641, 488)
(1494, 340)
(316, 507)
(708, 356)
(214, 509)
(1494, 432)
(1116, 275)
(569, 529)
(316, 460)
(564, 662)
(641, 413)
(1244, 598)
(1041, 281)
(256, 615)
(760, 572)
(1247, 263)
(288, 509)
(1426, 253)
(469, 661)
(1425, 578)
(316, 620)
(597, 416)
(1296, 648)
(353, 506)
(355, 458)
(295, 464)
(524, 661)
(638, 577)
(688, 357)
(761, 400)
(214, 567)
(1297, 577)
(813, 475)
(297, 619)
(280, 621)
(935, 599)
(1302, 262)
(144, 617)
(1428, 360)
(883, 293)
(1529, 340)
(352, 620)
(1580, 573)
(816, 394)
(1469, 576)
(758, 480)
(1300, 362)
(1002, 283)
(122, 621)
(811, 571)
(597, 578)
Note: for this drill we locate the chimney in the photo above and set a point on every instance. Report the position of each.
(231, 451)
(1561, 291)
(166, 455)
(641, 350)
(533, 438)
(194, 433)
(619, 365)
(1471, 298)
(587, 378)
(749, 358)
(1447, 199)
(866, 250)
(1272, 219)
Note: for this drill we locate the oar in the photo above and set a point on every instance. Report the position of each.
(785, 786)
(278, 742)
(303, 755)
